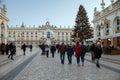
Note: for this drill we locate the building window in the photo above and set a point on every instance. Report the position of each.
(58, 33)
(107, 29)
(66, 33)
(58, 37)
(107, 26)
(118, 28)
(98, 30)
(66, 38)
(118, 23)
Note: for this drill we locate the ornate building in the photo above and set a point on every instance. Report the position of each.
(36, 35)
(107, 24)
(3, 24)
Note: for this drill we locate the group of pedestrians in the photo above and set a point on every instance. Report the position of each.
(9, 49)
(4, 48)
(46, 49)
(24, 46)
(96, 52)
(78, 50)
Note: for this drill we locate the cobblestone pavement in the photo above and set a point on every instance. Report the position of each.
(42, 68)
(6, 65)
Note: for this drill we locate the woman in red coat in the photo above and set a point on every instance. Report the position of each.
(78, 51)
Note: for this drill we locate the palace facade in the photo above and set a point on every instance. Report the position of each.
(46, 33)
(107, 24)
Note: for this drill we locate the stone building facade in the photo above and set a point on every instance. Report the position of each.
(46, 33)
(107, 24)
(3, 24)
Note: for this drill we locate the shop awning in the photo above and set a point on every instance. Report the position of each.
(110, 36)
(116, 35)
(92, 39)
(104, 37)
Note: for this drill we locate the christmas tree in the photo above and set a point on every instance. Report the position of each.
(82, 28)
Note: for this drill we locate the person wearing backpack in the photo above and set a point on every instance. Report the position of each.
(77, 50)
(84, 49)
(70, 52)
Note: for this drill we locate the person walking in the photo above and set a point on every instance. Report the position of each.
(31, 48)
(62, 50)
(70, 52)
(43, 49)
(57, 47)
(78, 51)
(12, 51)
(52, 50)
(24, 48)
(84, 49)
(7, 49)
(92, 49)
(47, 51)
(3, 48)
(98, 53)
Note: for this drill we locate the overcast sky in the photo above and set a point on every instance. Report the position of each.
(57, 12)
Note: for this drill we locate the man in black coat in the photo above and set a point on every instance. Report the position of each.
(12, 50)
(43, 49)
(24, 48)
(98, 53)
(7, 49)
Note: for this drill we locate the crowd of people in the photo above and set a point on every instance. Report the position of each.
(10, 49)
(78, 50)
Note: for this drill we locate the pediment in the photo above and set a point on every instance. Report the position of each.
(47, 26)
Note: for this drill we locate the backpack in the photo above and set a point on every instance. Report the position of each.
(83, 48)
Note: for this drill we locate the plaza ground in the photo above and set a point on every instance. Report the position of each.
(33, 66)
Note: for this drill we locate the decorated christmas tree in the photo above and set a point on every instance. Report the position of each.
(82, 29)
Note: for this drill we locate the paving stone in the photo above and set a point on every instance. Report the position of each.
(42, 68)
